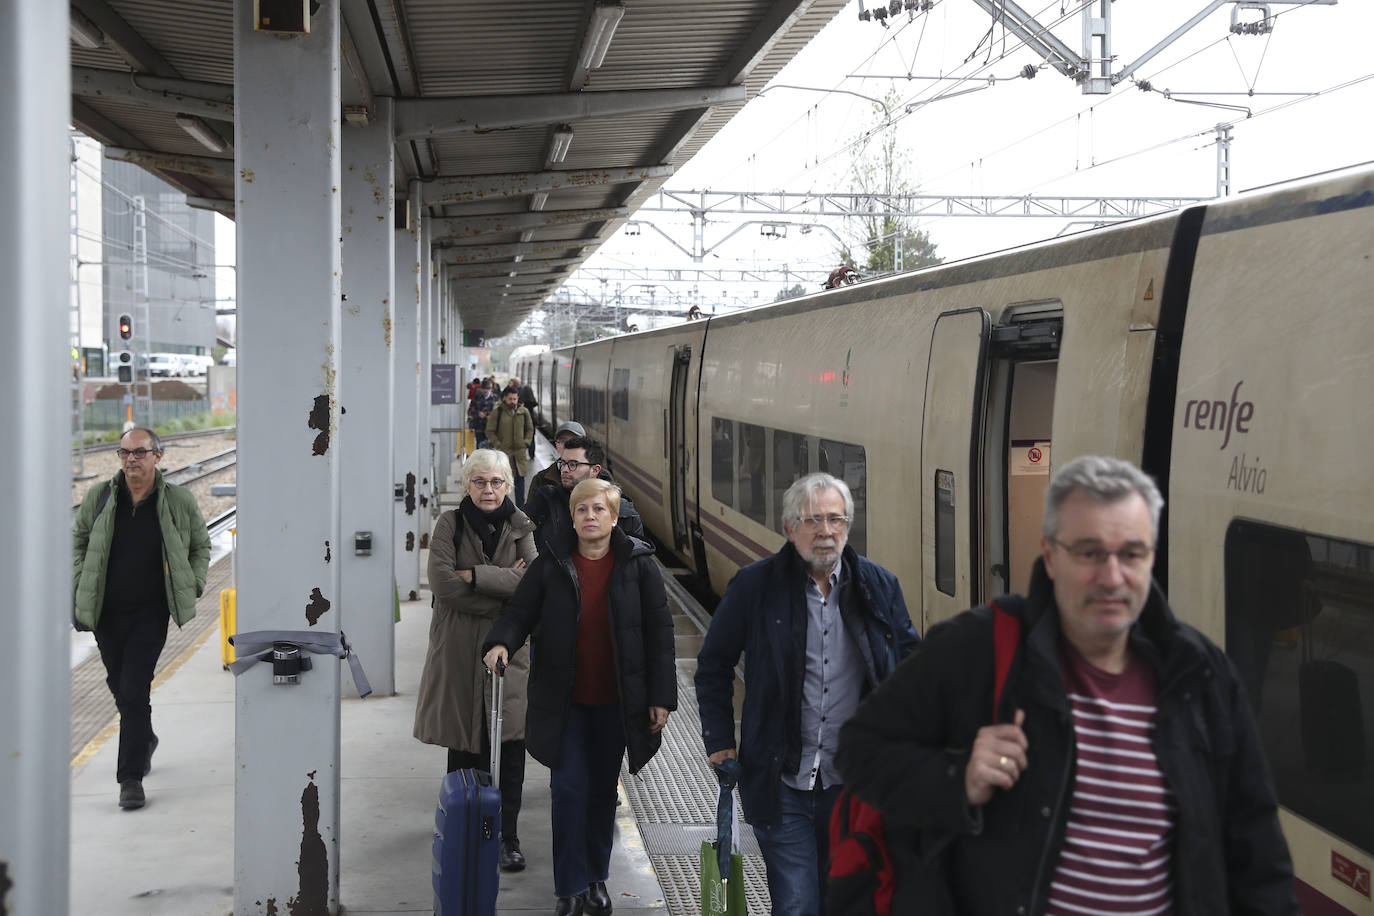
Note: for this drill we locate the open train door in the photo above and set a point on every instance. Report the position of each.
(676, 431)
(951, 443)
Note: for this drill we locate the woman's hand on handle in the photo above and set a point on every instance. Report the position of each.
(496, 656)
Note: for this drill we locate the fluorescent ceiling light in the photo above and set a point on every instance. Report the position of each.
(202, 132)
(538, 199)
(562, 139)
(605, 18)
(527, 235)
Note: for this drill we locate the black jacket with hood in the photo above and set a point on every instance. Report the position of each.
(906, 749)
(546, 609)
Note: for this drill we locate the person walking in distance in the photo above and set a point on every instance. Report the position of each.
(140, 553)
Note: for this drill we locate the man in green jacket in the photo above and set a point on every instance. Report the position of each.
(510, 429)
(139, 556)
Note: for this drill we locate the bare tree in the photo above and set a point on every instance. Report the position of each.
(883, 243)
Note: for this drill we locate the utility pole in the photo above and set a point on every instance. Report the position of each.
(1223, 160)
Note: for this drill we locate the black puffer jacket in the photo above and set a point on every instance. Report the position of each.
(906, 749)
(546, 609)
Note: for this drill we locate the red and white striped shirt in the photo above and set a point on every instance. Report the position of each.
(1118, 851)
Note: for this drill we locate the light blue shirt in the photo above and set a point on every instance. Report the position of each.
(832, 685)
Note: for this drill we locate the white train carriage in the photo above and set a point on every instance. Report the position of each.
(1228, 349)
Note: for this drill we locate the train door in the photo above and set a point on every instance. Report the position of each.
(951, 446)
(675, 426)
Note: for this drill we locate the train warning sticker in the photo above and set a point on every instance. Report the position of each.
(1349, 874)
(1030, 459)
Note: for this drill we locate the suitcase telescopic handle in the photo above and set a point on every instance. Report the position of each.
(498, 694)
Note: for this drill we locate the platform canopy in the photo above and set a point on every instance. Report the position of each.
(536, 126)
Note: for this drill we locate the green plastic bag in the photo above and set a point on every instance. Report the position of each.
(721, 898)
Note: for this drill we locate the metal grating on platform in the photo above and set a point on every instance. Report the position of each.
(674, 801)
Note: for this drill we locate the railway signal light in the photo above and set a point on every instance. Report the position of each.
(126, 327)
(124, 363)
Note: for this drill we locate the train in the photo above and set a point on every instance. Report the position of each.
(1228, 349)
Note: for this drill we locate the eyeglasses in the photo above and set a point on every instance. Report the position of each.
(479, 483)
(139, 453)
(1132, 556)
(814, 522)
(562, 463)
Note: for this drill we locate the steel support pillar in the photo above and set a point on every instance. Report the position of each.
(428, 449)
(366, 374)
(286, 759)
(35, 574)
(405, 335)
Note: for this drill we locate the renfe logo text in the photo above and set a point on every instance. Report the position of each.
(1227, 417)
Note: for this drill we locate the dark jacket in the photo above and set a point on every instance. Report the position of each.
(906, 749)
(763, 615)
(546, 609)
(547, 506)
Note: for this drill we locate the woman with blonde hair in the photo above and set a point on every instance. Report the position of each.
(603, 680)
(478, 554)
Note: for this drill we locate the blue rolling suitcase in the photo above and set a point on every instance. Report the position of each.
(467, 832)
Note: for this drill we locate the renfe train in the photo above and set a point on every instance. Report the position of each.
(1228, 349)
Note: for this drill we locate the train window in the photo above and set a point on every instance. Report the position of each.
(620, 393)
(752, 467)
(791, 462)
(723, 460)
(847, 462)
(944, 531)
(1300, 629)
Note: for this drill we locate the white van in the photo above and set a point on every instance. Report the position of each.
(164, 364)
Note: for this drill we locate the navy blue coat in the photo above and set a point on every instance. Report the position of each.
(763, 615)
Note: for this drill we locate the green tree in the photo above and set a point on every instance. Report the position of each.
(790, 292)
(881, 165)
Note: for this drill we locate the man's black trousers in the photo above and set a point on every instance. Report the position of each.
(130, 642)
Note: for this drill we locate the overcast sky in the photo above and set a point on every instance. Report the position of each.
(1036, 136)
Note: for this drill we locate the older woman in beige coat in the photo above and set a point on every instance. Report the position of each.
(477, 555)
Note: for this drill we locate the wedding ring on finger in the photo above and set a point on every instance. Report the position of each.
(1002, 762)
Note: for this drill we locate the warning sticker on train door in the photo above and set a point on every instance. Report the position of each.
(1029, 458)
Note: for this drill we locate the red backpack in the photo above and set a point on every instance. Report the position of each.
(862, 879)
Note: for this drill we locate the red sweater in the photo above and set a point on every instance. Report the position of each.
(594, 683)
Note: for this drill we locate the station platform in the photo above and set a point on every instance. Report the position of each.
(176, 855)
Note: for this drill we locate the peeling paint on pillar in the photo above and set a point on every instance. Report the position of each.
(313, 866)
(386, 322)
(327, 554)
(410, 493)
(271, 906)
(424, 540)
(319, 606)
(319, 419)
(410, 540)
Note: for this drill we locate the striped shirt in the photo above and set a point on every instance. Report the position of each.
(1117, 855)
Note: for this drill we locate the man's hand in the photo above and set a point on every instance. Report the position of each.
(997, 761)
(518, 564)
(465, 575)
(658, 717)
(497, 654)
(720, 757)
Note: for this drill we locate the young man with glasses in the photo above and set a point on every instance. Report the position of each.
(582, 458)
(821, 626)
(140, 553)
(1121, 770)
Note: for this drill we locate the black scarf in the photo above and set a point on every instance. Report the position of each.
(487, 525)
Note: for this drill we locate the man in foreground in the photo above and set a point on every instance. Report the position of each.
(1121, 772)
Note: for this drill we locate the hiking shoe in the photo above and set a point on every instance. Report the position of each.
(131, 794)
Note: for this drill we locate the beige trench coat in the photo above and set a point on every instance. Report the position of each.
(454, 696)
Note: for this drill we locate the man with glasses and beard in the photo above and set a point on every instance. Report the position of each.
(821, 626)
(139, 556)
(582, 458)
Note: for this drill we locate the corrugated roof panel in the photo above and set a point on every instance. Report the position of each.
(195, 36)
(493, 48)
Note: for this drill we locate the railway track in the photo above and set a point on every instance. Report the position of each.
(206, 467)
(97, 447)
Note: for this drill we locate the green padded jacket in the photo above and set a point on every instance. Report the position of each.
(185, 549)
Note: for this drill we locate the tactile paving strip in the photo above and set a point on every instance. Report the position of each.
(674, 801)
